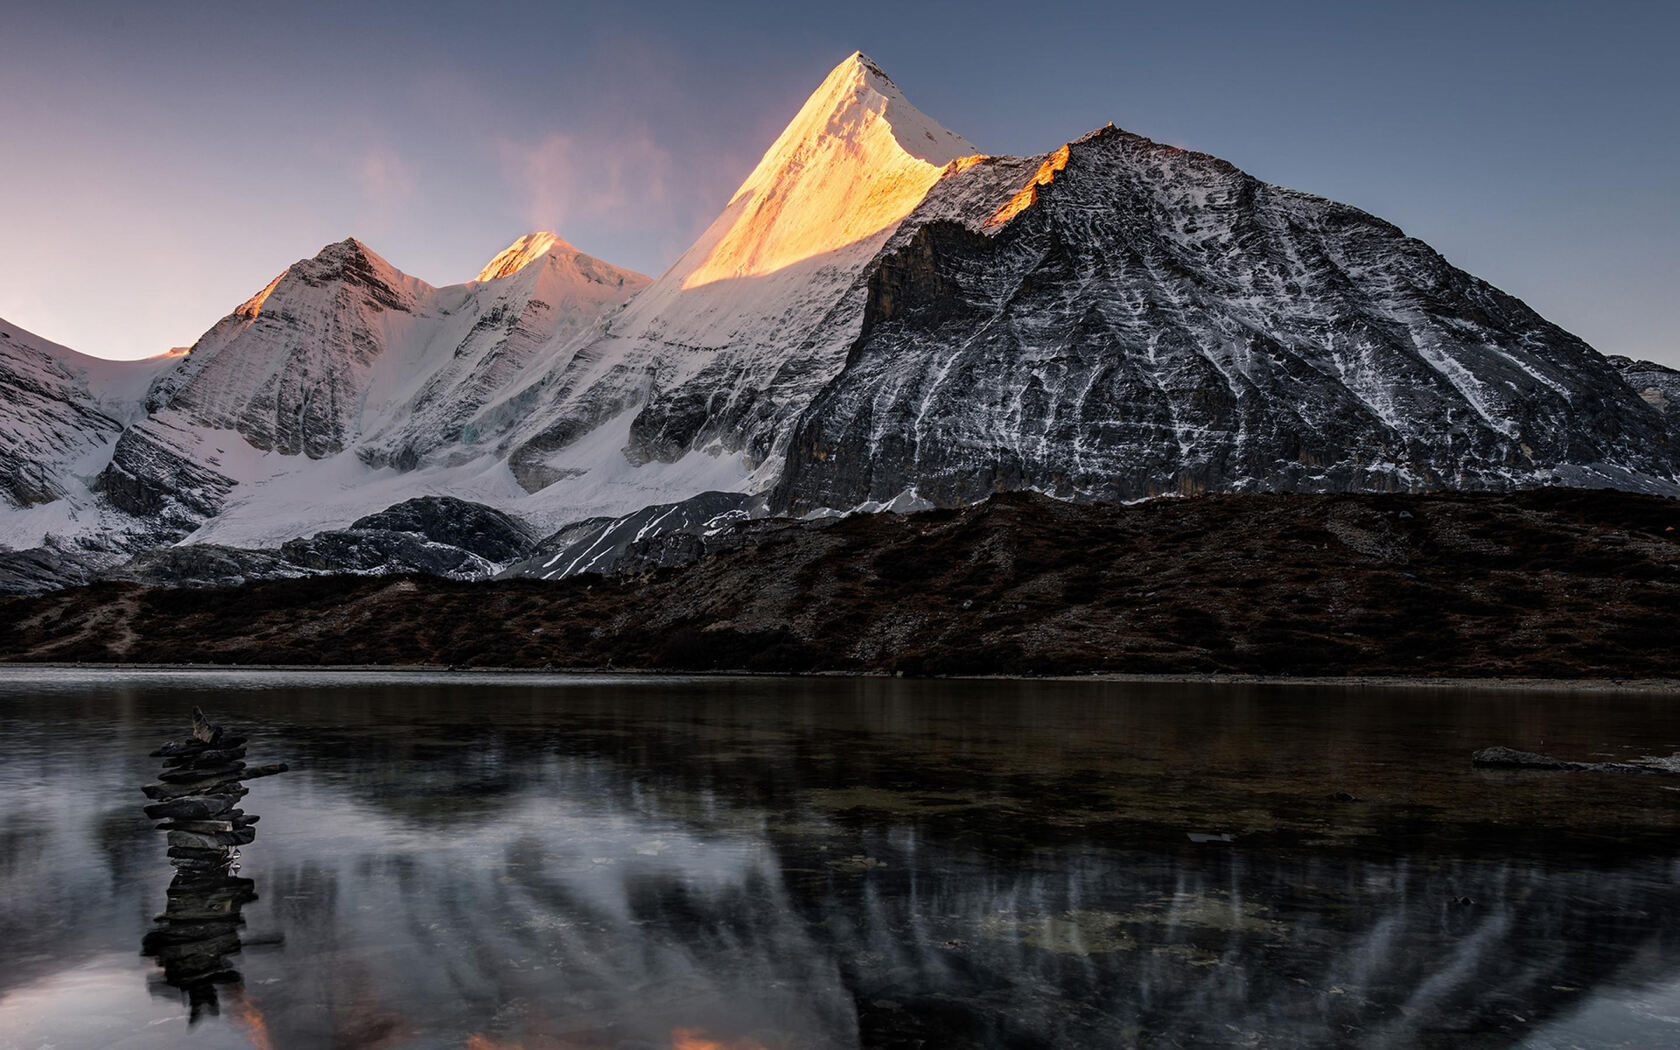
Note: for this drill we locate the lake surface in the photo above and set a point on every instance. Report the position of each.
(484, 862)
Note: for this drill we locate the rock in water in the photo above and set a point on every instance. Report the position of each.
(1510, 758)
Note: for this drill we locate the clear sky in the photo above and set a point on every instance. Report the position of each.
(159, 163)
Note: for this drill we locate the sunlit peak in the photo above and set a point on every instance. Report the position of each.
(252, 307)
(853, 162)
(520, 254)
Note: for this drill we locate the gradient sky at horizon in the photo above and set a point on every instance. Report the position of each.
(163, 162)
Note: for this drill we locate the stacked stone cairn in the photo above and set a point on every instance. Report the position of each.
(196, 796)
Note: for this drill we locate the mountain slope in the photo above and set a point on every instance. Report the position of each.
(1141, 320)
(60, 415)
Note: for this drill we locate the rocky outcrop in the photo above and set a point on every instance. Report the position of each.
(204, 565)
(1149, 321)
(1510, 758)
(483, 531)
(1657, 385)
(654, 537)
(380, 551)
(429, 535)
(433, 535)
(51, 566)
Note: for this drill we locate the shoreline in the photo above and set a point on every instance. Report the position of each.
(1645, 686)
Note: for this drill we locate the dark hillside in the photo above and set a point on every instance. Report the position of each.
(1548, 583)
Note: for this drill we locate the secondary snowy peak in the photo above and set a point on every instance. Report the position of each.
(347, 261)
(551, 257)
(342, 370)
(539, 291)
(284, 369)
(521, 253)
(854, 161)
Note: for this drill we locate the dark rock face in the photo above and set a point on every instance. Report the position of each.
(381, 551)
(48, 419)
(654, 537)
(149, 478)
(1657, 385)
(431, 535)
(1154, 321)
(473, 527)
(204, 565)
(50, 567)
(39, 417)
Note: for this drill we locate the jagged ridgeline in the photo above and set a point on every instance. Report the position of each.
(196, 796)
(882, 316)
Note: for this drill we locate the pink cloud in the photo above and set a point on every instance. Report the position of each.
(384, 178)
(619, 182)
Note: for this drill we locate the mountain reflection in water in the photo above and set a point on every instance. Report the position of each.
(471, 862)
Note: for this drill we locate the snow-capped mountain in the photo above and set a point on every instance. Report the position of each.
(881, 316)
(343, 372)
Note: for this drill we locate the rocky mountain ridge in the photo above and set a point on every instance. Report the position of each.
(1144, 320)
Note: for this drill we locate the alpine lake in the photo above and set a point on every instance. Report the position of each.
(484, 862)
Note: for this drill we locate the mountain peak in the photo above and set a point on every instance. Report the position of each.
(353, 254)
(858, 83)
(859, 61)
(350, 261)
(855, 160)
(522, 253)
